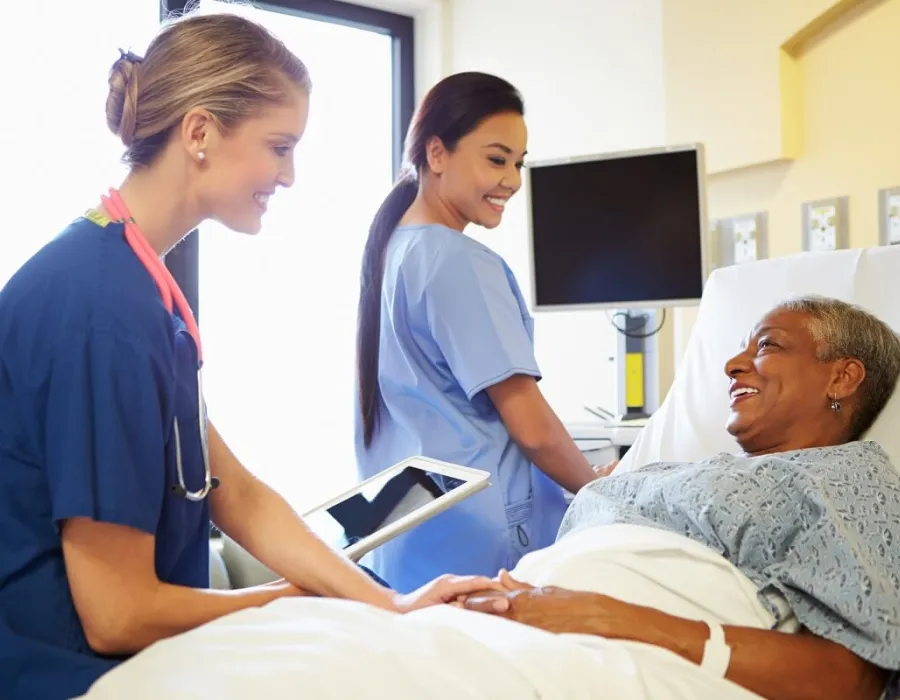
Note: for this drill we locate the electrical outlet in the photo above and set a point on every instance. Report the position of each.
(825, 225)
(889, 201)
(740, 239)
(823, 228)
(745, 240)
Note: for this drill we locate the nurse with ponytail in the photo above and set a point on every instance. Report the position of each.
(445, 350)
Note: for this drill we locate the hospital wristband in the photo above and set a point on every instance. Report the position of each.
(716, 652)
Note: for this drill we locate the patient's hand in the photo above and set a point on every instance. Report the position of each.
(444, 589)
(558, 610)
(504, 584)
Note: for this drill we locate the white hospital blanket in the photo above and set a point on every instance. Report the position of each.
(321, 649)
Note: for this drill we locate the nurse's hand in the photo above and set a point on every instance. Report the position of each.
(445, 589)
(507, 584)
(605, 469)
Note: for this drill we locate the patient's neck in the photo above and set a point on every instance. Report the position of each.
(758, 448)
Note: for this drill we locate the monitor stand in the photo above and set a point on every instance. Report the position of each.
(634, 328)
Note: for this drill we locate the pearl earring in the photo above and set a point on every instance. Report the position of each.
(835, 404)
(201, 156)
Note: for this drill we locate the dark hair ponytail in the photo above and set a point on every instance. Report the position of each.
(451, 109)
(368, 332)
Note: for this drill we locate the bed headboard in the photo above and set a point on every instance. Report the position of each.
(690, 424)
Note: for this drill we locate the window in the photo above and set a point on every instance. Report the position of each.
(57, 154)
(278, 311)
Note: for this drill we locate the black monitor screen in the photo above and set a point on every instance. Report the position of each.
(614, 231)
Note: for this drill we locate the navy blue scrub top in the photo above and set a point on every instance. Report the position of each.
(93, 369)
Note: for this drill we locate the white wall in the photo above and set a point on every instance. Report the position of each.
(591, 72)
(430, 36)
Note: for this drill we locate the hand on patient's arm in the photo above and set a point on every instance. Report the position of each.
(606, 469)
(504, 583)
(539, 432)
(122, 605)
(774, 665)
(262, 522)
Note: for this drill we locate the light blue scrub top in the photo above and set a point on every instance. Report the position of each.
(92, 371)
(453, 323)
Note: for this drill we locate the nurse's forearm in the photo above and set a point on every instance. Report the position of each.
(122, 605)
(264, 524)
(170, 610)
(560, 459)
(540, 433)
(273, 532)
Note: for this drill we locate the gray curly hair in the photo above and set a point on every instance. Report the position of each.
(844, 330)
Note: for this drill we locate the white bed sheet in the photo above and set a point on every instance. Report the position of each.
(322, 649)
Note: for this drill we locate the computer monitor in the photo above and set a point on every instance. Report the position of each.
(621, 230)
(625, 231)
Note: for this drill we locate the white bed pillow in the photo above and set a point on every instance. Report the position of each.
(690, 424)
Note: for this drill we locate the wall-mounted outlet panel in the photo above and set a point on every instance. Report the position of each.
(889, 215)
(825, 225)
(715, 244)
(741, 239)
(745, 239)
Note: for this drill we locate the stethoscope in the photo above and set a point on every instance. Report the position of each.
(169, 289)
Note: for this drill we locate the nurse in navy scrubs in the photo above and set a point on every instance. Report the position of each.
(109, 471)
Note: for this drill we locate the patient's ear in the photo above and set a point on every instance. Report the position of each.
(848, 374)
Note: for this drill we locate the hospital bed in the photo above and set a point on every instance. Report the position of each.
(320, 649)
(688, 425)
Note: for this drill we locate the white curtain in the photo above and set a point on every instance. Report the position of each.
(278, 310)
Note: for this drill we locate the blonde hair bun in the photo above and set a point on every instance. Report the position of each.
(121, 104)
(227, 64)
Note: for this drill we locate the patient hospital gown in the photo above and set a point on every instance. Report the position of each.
(820, 527)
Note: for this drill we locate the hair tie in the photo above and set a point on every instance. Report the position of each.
(130, 57)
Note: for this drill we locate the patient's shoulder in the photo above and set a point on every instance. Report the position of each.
(849, 450)
(851, 454)
(860, 457)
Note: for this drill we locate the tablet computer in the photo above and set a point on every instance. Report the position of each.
(391, 502)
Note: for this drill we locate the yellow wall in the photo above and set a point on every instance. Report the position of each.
(828, 126)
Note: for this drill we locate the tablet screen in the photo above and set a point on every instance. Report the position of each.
(377, 505)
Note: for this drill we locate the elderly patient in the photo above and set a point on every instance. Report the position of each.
(808, 513)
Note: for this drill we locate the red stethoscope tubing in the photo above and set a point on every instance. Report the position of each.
(168, 287)
(172, 297)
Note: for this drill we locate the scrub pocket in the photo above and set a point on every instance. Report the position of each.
(521, 536)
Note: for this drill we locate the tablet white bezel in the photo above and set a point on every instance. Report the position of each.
(475, 480)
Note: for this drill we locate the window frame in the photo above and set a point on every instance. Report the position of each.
(184, 260)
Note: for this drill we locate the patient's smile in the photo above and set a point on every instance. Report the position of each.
(742, 392)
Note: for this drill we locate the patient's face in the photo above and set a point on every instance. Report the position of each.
(779, 390)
